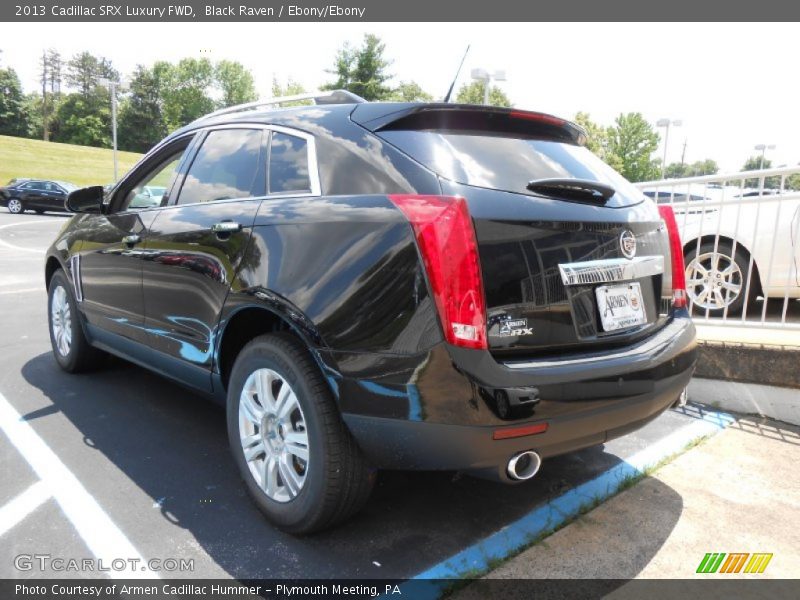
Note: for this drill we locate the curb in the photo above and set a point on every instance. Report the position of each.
(779, 403)
(750, 363)
(479, 557)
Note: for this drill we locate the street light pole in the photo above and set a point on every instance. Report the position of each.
(487, 78)
(112, 88)
(666, 123)
(764, 148)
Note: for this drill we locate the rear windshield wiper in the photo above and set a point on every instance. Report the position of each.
(578, 190)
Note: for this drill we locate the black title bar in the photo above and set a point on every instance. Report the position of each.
(399, 10)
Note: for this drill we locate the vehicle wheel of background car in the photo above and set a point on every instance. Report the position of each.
(299, 462)
(716, 280)
(39, 212)
(70, 347)
(15, 206)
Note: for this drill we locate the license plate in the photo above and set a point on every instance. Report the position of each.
(620, 306)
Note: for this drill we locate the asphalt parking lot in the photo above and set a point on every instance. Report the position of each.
(122, 464)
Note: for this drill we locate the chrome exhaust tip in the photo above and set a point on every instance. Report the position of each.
(524, 465)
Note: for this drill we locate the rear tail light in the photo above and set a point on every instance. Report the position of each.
(446, 240)
(676, 249)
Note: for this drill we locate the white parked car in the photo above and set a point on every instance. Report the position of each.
(757, 229)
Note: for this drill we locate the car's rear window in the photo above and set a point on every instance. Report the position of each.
(506, 163)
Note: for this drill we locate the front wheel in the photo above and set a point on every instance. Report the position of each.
(15, 206)
(716, 278)
(72, 351)
(299, 462)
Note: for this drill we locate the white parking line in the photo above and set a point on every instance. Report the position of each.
(22, 248)
(23, 505)
(23, 290)
(102, 536)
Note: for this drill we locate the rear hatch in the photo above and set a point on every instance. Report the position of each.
(573, 257)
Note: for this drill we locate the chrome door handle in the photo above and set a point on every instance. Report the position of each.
(226, 227)
(130, 240)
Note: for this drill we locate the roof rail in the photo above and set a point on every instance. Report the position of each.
(327, 97)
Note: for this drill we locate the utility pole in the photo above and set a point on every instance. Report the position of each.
(45, 133)
(683, 153)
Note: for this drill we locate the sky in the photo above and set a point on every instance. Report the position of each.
(729, 84)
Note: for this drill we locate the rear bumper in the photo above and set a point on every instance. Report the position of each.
(584, 401)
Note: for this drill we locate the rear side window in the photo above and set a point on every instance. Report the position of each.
(226, 166)
(288, 165)
(506, 163)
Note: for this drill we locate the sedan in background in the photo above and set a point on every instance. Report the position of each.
(38, 195)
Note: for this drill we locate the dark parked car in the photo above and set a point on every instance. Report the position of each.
(379, 285)
(38, 195)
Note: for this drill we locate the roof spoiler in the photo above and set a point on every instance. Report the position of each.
(467, 118)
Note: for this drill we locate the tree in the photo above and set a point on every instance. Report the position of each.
(634, 141)
(597, 140)
(141, 123)
(50, 75)
(472, 93)
(754, 163)
(84, 71)
(85, 120)
(362, 70)
(184, 90)
(13, 113)
(700, 167)
(409, 91)
(235, 82)
(292, 88)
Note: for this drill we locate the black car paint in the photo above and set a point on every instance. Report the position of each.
(343, 272)
(34, 198)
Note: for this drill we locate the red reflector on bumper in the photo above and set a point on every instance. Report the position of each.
(515, 432)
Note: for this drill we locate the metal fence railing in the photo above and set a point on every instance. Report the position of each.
(741, 240)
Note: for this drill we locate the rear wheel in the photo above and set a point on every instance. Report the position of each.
(70, 347)
(15, 206)
(716, 278)
(299, 462)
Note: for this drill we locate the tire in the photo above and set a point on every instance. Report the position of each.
(15, 206)
(702, 277)
(39, 211)
(336, 479)
(72, 351)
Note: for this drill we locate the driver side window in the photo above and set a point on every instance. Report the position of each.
(152, 189)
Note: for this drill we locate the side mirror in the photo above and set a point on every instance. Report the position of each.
(86, 200)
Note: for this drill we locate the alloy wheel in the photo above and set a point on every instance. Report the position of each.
(272, 431)
(14, 206)
(61, 321)
(713, 280)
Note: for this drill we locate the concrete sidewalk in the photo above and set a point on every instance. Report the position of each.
(737, 492)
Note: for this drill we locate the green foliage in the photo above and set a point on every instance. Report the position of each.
(141, 124)
(472, 93)
(754, 163)
(409, 91)
(597, 140)
(84, 120)
(362, 70)
(633, 140)
(185, 90)
(292, 88)
(235, 82)
(13, 113)
(84, 70)
(697, 168)
(793, 182)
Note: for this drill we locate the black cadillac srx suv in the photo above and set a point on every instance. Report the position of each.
(379, 285)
